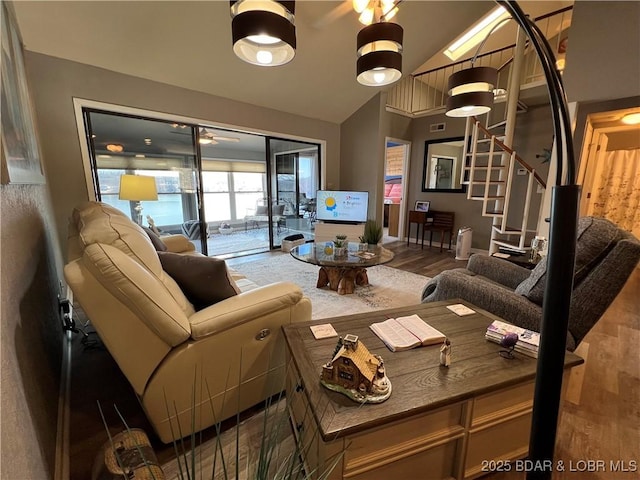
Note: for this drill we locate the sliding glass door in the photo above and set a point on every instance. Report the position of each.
(294, 181)
(131, 146)
(230, 192)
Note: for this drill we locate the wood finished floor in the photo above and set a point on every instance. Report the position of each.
(601, 415)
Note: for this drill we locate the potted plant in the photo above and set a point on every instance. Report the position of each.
(372, 233)
(340, 245)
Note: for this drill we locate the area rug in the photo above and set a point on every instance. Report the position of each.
(388, 287)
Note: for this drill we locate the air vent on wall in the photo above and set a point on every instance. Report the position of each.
(437, 127)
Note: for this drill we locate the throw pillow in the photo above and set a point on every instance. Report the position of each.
(596, 237)
(155, 239)
(203, 280)
(533, 286)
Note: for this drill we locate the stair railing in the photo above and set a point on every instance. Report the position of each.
(425, 93)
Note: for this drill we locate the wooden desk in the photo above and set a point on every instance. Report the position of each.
(441, 422)
(421, 219)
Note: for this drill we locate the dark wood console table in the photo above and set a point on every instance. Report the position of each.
(432, 221)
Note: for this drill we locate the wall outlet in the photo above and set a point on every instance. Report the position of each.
(521, 171)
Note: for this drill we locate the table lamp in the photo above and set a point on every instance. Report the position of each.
(138, 188)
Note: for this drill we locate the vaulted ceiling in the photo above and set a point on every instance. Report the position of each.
(188, 44)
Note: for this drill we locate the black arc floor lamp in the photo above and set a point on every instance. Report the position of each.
(565, 201)
(562, 238)
(562, 245)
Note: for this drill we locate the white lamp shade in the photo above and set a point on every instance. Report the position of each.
(138, 188)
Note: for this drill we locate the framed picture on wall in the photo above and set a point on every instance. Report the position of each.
(20, 152)
(422, 206)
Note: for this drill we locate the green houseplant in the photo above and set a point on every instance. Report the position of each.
(340, 245)
(372, 232)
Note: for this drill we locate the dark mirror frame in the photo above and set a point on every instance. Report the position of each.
(425, 167)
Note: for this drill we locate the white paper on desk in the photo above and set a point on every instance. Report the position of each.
(325, 330)
(460, 309)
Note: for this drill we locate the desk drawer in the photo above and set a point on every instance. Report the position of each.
(383, 445)
(502, 404)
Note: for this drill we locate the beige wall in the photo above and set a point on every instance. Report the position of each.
(603, 57)
(362, 154)
(30, 267)
(55, 82)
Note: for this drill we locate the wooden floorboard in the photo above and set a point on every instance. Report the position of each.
(601, 417)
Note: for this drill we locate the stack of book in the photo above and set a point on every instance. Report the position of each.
(528, 341)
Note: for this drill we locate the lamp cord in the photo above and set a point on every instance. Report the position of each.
(493, 29)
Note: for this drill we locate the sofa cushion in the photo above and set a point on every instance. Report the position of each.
(98, 222)
(155, 240)
(143, 293)
(204, 280)
(596, 237)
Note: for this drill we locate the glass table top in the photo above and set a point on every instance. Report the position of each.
(323, 255)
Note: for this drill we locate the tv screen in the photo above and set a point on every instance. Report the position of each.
(342, 206)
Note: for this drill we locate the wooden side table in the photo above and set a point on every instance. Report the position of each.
(421, 218)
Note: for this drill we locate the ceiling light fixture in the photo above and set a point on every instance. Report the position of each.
(476, 34)
(263, 31)
(631, 119)
(379, 54)
(114, 147)
(471, 91)
(370, 9)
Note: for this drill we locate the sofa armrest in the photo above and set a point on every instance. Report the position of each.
(499, 270)
(178, 243)
(246, 307)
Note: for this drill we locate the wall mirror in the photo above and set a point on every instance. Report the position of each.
(443, 163)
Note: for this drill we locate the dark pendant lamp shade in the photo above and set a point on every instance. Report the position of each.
(379, 54)
(471, 91)
(263, 33)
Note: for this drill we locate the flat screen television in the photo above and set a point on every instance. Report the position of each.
(340, 206)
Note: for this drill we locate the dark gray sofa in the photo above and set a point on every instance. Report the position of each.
(605, 257)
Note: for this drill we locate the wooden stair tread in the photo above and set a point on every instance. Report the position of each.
(489, 197)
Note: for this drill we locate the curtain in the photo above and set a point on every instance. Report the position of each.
(617, 195)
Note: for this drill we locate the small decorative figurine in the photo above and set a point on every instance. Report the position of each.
(508, 341)
(356, 373)
(445, 353)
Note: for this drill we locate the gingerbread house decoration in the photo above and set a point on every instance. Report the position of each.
(356, 372)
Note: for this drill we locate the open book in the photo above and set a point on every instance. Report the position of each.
(403, 333)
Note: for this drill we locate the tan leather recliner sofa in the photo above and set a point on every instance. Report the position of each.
(166, 349)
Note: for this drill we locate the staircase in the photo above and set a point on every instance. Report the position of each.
(493, 172)
(489, 172)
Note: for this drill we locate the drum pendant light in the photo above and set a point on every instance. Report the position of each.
(263, 31)
(379, 54)
(471, 91)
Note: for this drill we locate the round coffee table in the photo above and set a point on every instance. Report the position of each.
(341, 273)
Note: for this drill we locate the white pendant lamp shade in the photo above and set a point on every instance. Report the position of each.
(471, 91)
(263, 31)
(379, 54)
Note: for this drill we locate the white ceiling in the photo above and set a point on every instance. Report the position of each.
(188, 44)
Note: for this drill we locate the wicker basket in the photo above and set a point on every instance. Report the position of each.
(130, 456)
